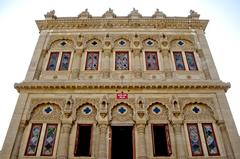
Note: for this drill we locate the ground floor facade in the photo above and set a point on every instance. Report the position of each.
(124, 124)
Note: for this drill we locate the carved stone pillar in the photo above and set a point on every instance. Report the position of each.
(76, 63)
(137, 65)
(226, 142)
(102, 149)
(166, 63)
(181, 153)
(106, 62)
(15, 152)
(63, 145)
(204, 64)
(141, 145)
(40, 65)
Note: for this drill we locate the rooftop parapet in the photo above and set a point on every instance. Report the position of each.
(109, 19)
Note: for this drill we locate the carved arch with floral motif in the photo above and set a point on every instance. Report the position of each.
(45, 112)
(61, 42)
(86, 111)
(126, 115)
(205, 111)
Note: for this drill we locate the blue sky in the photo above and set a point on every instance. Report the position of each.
(19, 36)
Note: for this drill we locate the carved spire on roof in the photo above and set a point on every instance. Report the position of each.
(85, 14)
(109, 14)
(194, 15)
(50, 15)
(159, 14)
(134, 14)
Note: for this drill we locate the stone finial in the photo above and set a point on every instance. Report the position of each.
(50, 15)
(85, 14)
(109, 14)
(159, 14)
(134, 14)
(194, 15)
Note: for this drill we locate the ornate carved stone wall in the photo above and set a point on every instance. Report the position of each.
(149, 94)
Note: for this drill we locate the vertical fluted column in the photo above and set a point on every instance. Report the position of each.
(102, 149)
(76, 63)
(179, 141)
(166, 63)
(63, 145)
(141, 143)
(226, 142)
(15, 152)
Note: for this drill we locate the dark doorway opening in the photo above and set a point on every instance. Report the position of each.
(161, 140)
(122, 142)
(83, 140)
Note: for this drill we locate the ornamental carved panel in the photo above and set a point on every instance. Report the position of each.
(86, 112)
(198, 112)
(40, 101)
(122, 113)
(48, 112)
(158, 111)
(164, 101)
(61, 42)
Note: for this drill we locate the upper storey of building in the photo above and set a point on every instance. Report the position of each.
(119, 49)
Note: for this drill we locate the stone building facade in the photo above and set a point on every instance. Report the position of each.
(122, 87)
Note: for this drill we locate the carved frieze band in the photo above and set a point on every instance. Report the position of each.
(76, 23)
(117, 85)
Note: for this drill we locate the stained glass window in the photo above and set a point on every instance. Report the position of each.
(52, 63)
(194, 139)
(49, 140)
(121, 61)
(33, 140)
(178, 61)
(210, 138)
(191, 61)
(65, 61)
(92, 61)
(151, 61)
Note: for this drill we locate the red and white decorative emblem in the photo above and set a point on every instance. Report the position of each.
(122, 95)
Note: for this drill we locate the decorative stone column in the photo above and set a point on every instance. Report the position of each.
(141, 143)
(106, 62)
(76, 63)
(102, 149)
(181, 153)
(40, 65)
(63, 145)
(204, 64)
(226, 142)
(15, 152)
(166, 63)
(137, 68)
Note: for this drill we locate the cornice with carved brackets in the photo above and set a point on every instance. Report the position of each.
(177, 85)
(121, 22)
